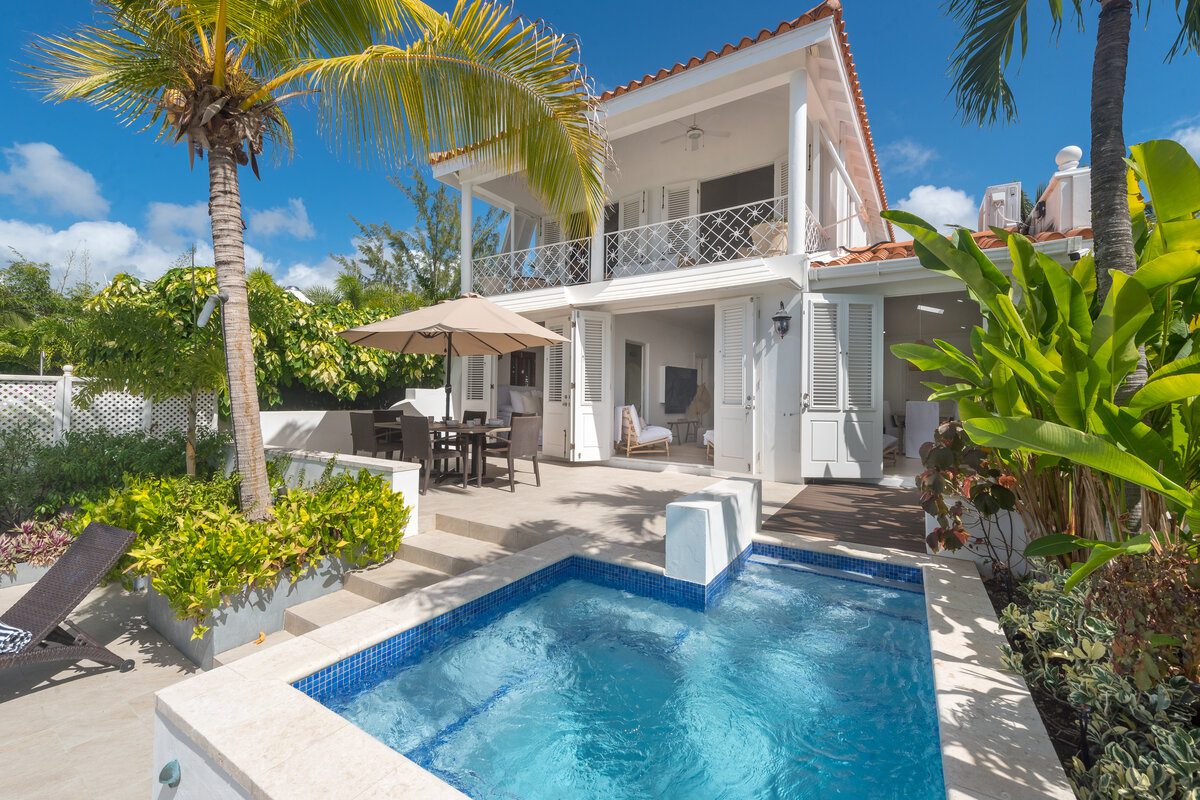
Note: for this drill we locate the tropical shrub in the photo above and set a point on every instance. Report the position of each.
(1043, 382)
(956, 470)
(39, 480)
(199, 551)
(1142, 740)
(38, 543)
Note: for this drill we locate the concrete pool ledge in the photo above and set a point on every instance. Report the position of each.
(243, 730)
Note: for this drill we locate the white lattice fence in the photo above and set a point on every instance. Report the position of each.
(40, 405)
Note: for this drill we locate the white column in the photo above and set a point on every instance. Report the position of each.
(468, 228)
(597, 263)
(797, 158)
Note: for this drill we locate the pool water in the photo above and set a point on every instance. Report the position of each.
(794, 684)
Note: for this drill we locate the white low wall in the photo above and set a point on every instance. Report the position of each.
(709, 529)
(322, 431)
(305, 466)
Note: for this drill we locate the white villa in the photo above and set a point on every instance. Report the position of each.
(743, 189)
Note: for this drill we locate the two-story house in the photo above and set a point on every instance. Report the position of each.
(743, 190)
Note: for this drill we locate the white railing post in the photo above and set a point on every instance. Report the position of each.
(65, 402)
(147, 414)
(467, 222)
(797, 159)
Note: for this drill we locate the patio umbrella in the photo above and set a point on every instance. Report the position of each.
(467, 326)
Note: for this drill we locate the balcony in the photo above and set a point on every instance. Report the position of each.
(752, 230)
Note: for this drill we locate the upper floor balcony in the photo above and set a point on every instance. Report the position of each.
(750, 230)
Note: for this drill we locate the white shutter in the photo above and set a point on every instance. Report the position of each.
(781, 186)
(824, 362)
(631, 212)
(551, 231)
(733, 374)
(679, 210)
(593, 359)
(554, 366)
(476, 372)
(860, 361)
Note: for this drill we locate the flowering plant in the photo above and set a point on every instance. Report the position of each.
(35, 542)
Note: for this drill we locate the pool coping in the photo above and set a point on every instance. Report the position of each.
(249, 726)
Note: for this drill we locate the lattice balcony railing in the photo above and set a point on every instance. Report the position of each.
(751, 230)
(558, 264)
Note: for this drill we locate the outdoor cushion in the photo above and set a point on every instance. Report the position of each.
(13, 640)
(710, 437)
(655, 433)
(518, 401)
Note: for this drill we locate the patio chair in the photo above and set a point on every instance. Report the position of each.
(640, 439)
(365, 439)
(389, 436)
(419, 446)
(43, 610)
(710, 443)
(522, 443)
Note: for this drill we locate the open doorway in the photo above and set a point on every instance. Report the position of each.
(666, 374)
(909, 417)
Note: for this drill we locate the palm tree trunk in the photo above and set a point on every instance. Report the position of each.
(191, 434)
(1110, 204)
(225, 211)
(1110, 201)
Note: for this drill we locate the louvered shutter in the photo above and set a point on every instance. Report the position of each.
(781, 187)
(593, 359)
(551, 231)
(554, 366)
(631, 215)
(860, 378)
(679, 210)
(476, 372)
(824, 360)
(733, 344)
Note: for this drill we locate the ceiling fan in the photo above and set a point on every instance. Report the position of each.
(694, 135)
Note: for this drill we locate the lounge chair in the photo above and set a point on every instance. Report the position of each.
(44, 608)
(710, 443)
(640, 439)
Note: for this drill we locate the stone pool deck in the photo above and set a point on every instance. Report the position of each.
(94, 725)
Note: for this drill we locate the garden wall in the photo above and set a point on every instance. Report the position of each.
(49, 406)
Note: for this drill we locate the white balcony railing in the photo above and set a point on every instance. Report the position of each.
(752, 230)
(756, 229)
(558, 264)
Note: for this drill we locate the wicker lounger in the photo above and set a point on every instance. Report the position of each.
(44, 608)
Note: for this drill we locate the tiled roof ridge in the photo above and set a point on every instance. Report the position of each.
(890, 251)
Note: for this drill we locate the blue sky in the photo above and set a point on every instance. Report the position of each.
(75, 187)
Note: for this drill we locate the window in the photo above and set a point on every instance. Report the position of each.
(522, 369)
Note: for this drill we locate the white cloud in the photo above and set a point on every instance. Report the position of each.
(907, 155)
(292, 220)
(37, 171)
(174, 225)
(1189, 137)
(942, 206)
(304, 276)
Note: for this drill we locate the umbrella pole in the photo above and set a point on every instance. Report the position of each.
(449, 350)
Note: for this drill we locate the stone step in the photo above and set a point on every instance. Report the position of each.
(393, 579)
(300, 619)
(511, 538)
(450, 553)
(229, 656)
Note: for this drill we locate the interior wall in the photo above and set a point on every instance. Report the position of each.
(904, 323)
(676, 338)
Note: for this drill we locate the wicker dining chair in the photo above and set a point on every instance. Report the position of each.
(420, 447)
(365, 439)
(389, 436)
(521, 444)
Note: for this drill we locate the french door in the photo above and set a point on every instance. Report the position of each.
(592, 410)
(556, 402)
(734, 409)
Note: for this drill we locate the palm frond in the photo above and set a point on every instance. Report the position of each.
(1188, 40)
(992, 30)
(499, 89)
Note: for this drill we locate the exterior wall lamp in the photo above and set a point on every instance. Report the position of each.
(782, 320)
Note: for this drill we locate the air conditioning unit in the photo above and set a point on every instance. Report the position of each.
(1001, 206)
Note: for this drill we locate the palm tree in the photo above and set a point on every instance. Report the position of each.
(990, 32)
(390, 78)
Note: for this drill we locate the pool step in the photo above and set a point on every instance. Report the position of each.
(450, 553)
(305, 617)
(229, 656)
(394, 579)
(515, 538)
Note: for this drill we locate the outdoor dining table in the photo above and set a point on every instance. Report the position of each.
(476, 434)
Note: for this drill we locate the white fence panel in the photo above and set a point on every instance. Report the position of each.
(40, 404)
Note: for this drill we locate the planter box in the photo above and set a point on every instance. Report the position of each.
(25, 573)
(241, 621)
(1008, 524)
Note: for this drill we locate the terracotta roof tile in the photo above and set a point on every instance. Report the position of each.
(889, 251)
(829, 8)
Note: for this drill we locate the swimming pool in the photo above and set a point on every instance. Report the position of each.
(793, 684)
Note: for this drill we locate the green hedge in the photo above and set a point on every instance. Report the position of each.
(199, 551)
(38, 480)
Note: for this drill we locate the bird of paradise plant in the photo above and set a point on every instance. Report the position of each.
(390, 79)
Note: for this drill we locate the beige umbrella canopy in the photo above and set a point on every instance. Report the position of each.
(468, 326)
